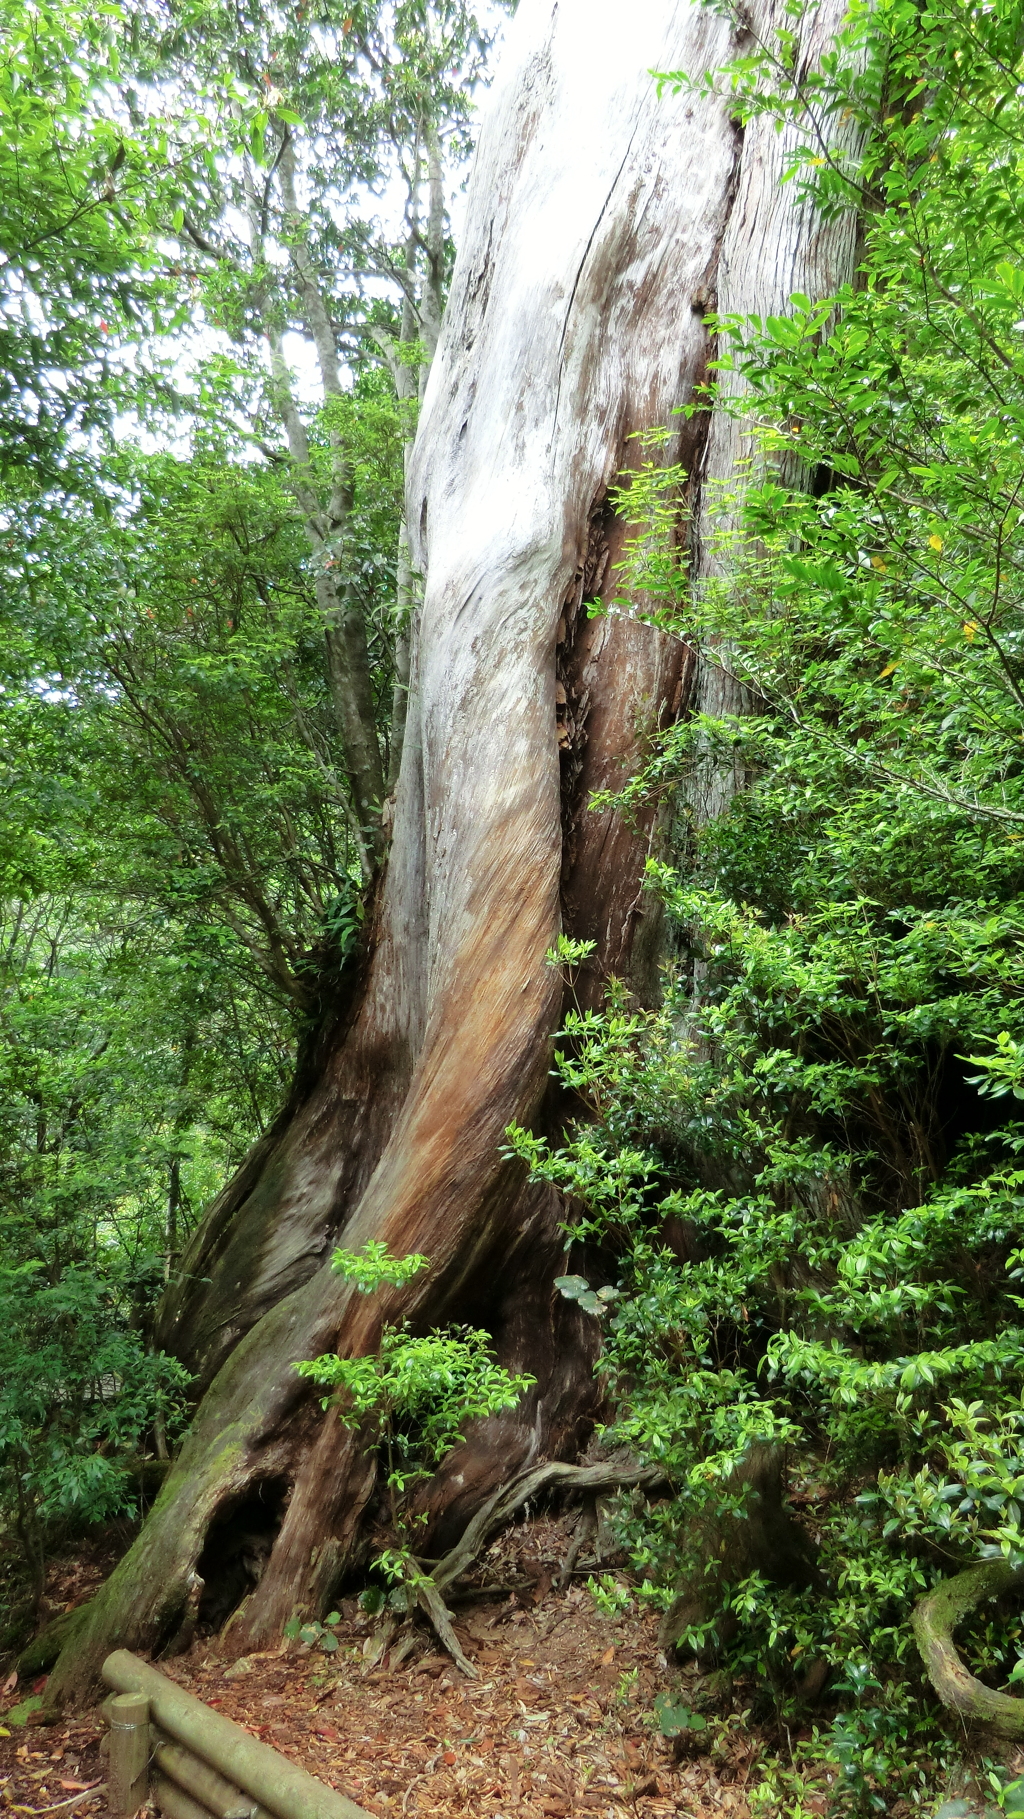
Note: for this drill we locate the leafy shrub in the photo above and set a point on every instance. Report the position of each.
(79, 1395)
(821, 1116)
(411, 1398)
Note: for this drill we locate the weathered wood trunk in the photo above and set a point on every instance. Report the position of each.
(597, 219)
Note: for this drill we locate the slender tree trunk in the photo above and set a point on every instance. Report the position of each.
(597, 218)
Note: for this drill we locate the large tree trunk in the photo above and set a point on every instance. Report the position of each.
(596, 222)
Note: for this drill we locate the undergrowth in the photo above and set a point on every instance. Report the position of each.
(799, 1179)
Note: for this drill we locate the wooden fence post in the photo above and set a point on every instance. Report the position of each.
(128, 1780)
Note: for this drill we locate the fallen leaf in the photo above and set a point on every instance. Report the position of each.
(10, 1683)
(650, 1785)
(608, 1657)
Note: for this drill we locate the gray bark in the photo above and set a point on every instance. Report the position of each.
(596, 220)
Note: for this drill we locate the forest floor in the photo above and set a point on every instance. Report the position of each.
(559, 1722)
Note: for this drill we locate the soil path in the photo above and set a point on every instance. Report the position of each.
(558, 1723)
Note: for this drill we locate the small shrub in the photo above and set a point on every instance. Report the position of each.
(411, 1398)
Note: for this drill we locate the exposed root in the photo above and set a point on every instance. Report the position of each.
(503, 1504)
(434, 1605)
(936, 1617)
(526, 1484)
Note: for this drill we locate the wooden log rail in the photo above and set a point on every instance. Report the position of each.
(201, 1764)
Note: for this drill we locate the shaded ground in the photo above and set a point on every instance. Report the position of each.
(558, 1723)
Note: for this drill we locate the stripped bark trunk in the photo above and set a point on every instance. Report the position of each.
(596, 220)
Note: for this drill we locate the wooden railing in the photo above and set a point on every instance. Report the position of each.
(194, 1762)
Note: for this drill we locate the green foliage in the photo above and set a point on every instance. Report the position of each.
(820, 1116)
(80, 1395)
(374, 1267)
(104, 1160)
(19, 1714)
(411, 1399)
(74, 283)
(569, 953)
(610, 1596)
(185, 852)
(168, 664)
(675, 1720)
(315, 1634)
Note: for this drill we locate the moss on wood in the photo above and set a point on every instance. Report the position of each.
(936, 1617)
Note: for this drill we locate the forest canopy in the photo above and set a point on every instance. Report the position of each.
(199, 550)
(790, 1179)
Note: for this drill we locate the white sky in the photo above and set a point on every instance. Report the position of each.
(199, 343)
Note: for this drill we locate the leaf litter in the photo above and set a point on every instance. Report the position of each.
(560, 1721)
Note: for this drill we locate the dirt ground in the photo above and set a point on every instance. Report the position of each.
(558, 1722)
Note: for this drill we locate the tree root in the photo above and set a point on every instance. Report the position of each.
(936, 1617)
(533, 1479)
(433, 1604)
(42, 1651)
(504, 1502)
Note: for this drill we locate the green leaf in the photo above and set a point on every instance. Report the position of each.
(674, 1720)
(572, 1287)
(19, 1714)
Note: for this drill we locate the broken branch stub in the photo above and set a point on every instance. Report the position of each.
(286, 1790)
(936, 1617)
